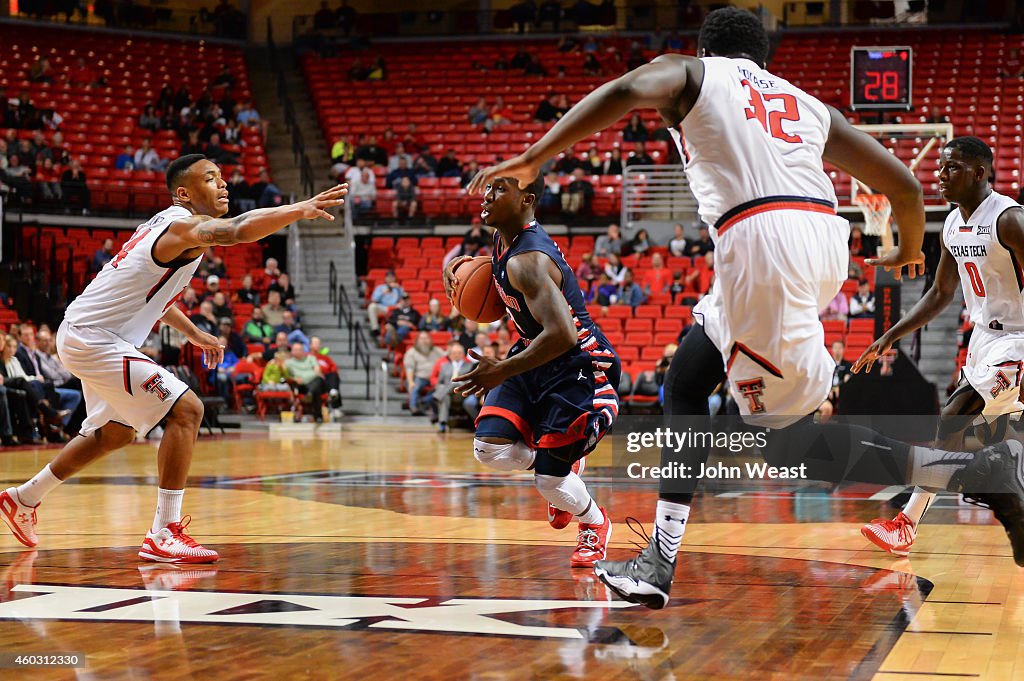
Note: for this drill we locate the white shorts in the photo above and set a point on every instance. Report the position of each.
(119, 383)
(774, 271)
(994, 369)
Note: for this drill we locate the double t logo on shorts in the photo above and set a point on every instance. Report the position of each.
(155, 384)
(752, 390)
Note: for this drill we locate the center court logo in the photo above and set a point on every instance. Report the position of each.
(457, 615)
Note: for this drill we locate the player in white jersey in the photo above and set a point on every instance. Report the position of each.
(753, 146)
(982, 249)
(125, 391)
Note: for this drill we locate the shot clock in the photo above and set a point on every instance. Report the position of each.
(881, 78)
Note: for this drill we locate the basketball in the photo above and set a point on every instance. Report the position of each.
(475, 295)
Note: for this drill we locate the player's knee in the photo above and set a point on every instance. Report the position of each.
(188, 410)
(114, 436)
(502, 454)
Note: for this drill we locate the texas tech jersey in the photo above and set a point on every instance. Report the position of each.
(752, 135)
(991, 277)
(133, 291)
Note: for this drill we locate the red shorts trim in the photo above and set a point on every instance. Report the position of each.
(773, 206)
(515, 419)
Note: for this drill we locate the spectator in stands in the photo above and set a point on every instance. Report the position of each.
(283, 285)
(235, 342)
(290, 326)
(501, 113)
(249, 117)
(48, 180)
(446, 368)
(606, 292)
(421, 166)
(411, 140)
(41, 71)
(147, 158)
(104, 255)
(268, 194)
(861, 244)
(609, 242)
(204, 318)
(384, 296)
(467, 336)
(83, 75)
(434, 320)
(16, 378)
(189, 300)
(378, 70)
(677, 246)
(479, 113)
(38, 356)
(40, 148)
(862, 303)
(217, 153)
(222, 307)
(7, 438)
(403, 320)
(279, 344)
(329, 371)
(594, 163)
(343, 151)
(402, 171)
(276, 375)
(419, 363)
(504, 340)
(191, 144)
(449, 166)
(613, 164)
(271, 271)
(475, 240)
(481, 342)
(657, 278)
(273, 310)
(212, 287)
(126, 159)
(630, 292)
(18, 176)
(547, 111)
(1012, 66)
(640, 157)
(638, 245)
(551, 197)
(346, 17)
(257, 330)
(405, 203)
(148, 119)
(839, 308)
(372, 153)
(74, 187)
(362, 189)
(702, 244)
(615, 270)
(307, 379)
(325, 18)
(240, 199)
(677, 286)
(578, 195)
(591, 65)
(635, 130)
(588, 271)
(395, 159)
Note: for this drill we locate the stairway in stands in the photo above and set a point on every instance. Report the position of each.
(938, 338)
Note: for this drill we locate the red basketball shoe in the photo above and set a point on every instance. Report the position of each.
(19, 517)
(895, 536)
(592, 543)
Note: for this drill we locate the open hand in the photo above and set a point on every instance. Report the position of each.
(517, 167)
(872, 354)
(213, 351)
(488, 373)
(895, 260)
(450, 280)
(317, 206)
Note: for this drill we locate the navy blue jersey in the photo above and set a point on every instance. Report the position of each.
(534, 238)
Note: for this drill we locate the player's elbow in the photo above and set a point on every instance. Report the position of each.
(907, 191)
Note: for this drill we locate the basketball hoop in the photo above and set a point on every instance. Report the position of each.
(877, 212)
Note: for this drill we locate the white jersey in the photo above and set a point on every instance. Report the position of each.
(133, 291)
(753, 137)
(991, 277)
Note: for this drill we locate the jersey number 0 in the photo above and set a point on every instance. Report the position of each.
(771, 121)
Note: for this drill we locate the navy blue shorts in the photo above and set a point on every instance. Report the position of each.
(568, 400)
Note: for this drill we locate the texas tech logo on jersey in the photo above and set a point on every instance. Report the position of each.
(753, 390)
(155, 384)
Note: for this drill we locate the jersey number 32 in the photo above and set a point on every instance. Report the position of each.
(771, 121)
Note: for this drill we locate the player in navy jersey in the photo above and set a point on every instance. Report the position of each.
(553, 398)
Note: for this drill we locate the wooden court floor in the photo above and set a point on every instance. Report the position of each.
(390, 554)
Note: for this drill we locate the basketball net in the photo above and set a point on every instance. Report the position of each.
(877, 216)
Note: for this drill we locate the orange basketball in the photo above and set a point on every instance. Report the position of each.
(475, 295)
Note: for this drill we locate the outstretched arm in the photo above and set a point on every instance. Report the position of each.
(201, 231)
(860, 155)
(539, 279)
(935, 300)
(657, 85)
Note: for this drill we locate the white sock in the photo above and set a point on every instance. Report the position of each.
(168, 507)
(919, 502)
(570, 494)
(669, 525)
(934, 467)
(33, 491)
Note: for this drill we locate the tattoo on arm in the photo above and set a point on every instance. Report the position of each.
(221, 235)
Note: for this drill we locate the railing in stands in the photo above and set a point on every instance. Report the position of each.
(358, 345)
(656, 197)
(298, 142)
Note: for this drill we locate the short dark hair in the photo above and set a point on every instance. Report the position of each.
(536, 187)
(972, 149)
(179, 166)
(731, 32)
